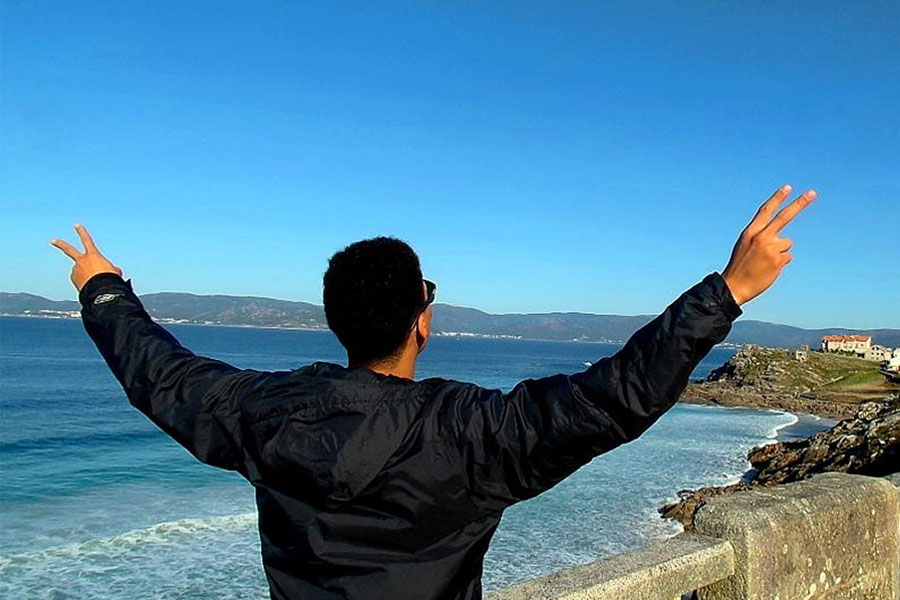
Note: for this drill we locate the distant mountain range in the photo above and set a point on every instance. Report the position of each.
(172, 307)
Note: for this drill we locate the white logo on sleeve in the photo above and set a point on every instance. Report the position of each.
(104, 298)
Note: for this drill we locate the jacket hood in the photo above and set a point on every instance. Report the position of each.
(339, 429)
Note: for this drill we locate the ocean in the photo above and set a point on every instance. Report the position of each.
(95, 502)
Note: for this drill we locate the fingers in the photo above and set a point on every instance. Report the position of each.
(86, 239)
(67, 248)
(787, 214)
(768, 208)
(784, 244)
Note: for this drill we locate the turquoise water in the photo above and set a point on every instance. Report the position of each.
(96, 503)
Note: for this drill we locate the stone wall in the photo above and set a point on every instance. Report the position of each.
(834, 536)
(662, 570)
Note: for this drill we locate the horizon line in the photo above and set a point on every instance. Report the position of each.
(561, 312)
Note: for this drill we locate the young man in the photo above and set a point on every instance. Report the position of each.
(371, 485)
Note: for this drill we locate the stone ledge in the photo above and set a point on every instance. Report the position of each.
(894, 478)
(661, 571)
(831, 536)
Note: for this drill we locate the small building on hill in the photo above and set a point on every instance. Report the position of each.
(893, 363)
(857, 344)
(879, 353)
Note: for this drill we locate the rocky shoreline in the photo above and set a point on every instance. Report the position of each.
(867, 443)
(716, 393)
(866, 439)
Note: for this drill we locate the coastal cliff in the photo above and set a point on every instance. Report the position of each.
(823, 384)
(867, 443)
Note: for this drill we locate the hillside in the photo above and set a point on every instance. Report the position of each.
(268, 312)
(825, 384)
(24, 304)
(234, 310)
(177, 307)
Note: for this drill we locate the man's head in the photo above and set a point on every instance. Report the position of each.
(375, 299)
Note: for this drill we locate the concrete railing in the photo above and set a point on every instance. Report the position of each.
(833, 536)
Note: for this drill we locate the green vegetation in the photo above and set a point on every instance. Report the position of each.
(779, 367)
(822, 377)
(857, 379)
(842, 371)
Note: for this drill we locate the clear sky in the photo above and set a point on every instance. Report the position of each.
(553, 156)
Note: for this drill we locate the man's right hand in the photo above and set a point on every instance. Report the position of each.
(760, 255)
(87, 263)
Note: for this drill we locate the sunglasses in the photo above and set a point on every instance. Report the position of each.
(430, 288)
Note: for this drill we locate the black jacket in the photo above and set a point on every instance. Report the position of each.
(374, 487)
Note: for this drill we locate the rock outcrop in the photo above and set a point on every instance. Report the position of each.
(867, 444)
(822, 383)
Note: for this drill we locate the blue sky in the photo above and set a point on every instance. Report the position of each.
(572, 156)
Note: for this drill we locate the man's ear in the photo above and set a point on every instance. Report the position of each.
(423, 328)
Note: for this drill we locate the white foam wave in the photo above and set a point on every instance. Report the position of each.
(167, 533)
(792, 420)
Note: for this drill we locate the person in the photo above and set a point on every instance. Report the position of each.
(370, 484)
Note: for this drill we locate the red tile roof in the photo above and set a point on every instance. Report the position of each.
(846, 338)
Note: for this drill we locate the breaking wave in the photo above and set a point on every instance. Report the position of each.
(217, 557)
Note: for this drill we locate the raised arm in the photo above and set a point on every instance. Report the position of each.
(195, 400)
(519, 444)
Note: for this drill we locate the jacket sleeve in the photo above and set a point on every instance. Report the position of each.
(519, 444)
(195, 400)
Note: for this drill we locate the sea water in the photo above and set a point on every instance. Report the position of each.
(95, 502)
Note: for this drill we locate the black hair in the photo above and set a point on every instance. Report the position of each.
(372, 295)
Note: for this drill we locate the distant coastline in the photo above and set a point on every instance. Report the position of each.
(440, 334)
(164, 321)
(449, 320)
(74, 316)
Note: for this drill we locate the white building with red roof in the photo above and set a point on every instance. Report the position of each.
(858, 344)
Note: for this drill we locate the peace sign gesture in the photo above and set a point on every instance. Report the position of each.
(760, 255)
(87, 263)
